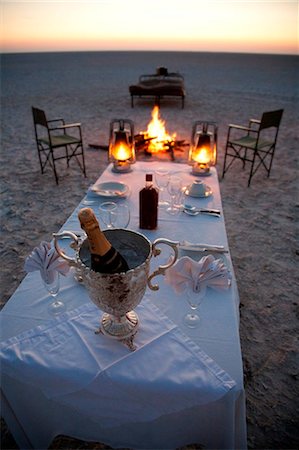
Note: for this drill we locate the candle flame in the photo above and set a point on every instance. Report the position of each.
(121, 152)
(202, 155)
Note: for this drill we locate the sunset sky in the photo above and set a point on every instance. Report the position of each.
(256, 26)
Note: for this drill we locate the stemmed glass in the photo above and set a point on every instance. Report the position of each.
(162, 180)
(57, 306)
(121, 216)
(174, 188)
(106, 213)
(194, 295)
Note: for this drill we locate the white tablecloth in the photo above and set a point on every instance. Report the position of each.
(180, 386)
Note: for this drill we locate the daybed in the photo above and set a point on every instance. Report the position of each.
(159, 85)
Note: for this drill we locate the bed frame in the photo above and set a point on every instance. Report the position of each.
(159, 85)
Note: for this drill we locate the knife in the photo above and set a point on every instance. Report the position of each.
(193, 209)
(211, 211)
(185, 245)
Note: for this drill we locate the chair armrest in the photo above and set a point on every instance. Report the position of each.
(239, 127)
(253, 123)
(233, 127)
(64, 127)
(70, 125)
(76, 129)
(56, 120)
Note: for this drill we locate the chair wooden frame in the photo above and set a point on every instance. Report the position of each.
(255, 146)
(50, 135)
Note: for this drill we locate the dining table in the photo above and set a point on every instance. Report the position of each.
(180, 385)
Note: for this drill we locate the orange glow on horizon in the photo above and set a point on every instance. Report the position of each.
(43, 45)
(192, 25)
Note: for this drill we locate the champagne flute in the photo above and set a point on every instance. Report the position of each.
(162, 180)
(52, 286)
(106, 213)
(194, 296)
(174, 188)
(121, 216)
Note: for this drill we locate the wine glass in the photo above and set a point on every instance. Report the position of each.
(57, 306)
(106, 209)
(121, 216)
(174, 188)
(194, 295)
(162, 180)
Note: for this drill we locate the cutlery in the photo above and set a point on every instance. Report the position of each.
(191, 212)
(108, 192)
(88, 202)
(185, 245)
(201, 210)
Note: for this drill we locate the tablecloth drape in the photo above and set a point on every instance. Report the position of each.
(167, 373)
(180, 359)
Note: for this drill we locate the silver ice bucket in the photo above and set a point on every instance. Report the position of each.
(118, 294)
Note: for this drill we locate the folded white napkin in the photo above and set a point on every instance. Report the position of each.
(198, 275)
(45, 259)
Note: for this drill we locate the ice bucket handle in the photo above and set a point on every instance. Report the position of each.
(162, 269)
(62, 235)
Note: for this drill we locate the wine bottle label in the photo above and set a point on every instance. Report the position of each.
(111, 262)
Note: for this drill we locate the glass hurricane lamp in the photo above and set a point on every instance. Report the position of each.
(203, 147)
(121, 145)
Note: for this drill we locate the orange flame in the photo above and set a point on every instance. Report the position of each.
(122, 152)
(156, 129)
(202, 155)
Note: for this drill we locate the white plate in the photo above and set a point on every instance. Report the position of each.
(110, 189)
(207, 193)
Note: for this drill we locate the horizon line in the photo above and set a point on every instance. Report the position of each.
(147, 51)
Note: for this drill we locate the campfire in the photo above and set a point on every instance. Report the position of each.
(157, 133)
(154, 141)
(156, 138)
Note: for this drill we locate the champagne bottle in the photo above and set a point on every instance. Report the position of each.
(148, 204)
(104, 257)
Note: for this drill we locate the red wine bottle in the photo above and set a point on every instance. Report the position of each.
(104, 257)
(148, 205)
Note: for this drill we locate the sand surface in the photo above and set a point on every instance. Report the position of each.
(261, 221)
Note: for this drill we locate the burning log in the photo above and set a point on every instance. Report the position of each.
(167, 146)
(142, 142)
(175, 145)
(156, 139)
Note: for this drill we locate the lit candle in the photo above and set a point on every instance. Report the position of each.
(203, 148)
(202, 155)
(121, 152)
(121, 145)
